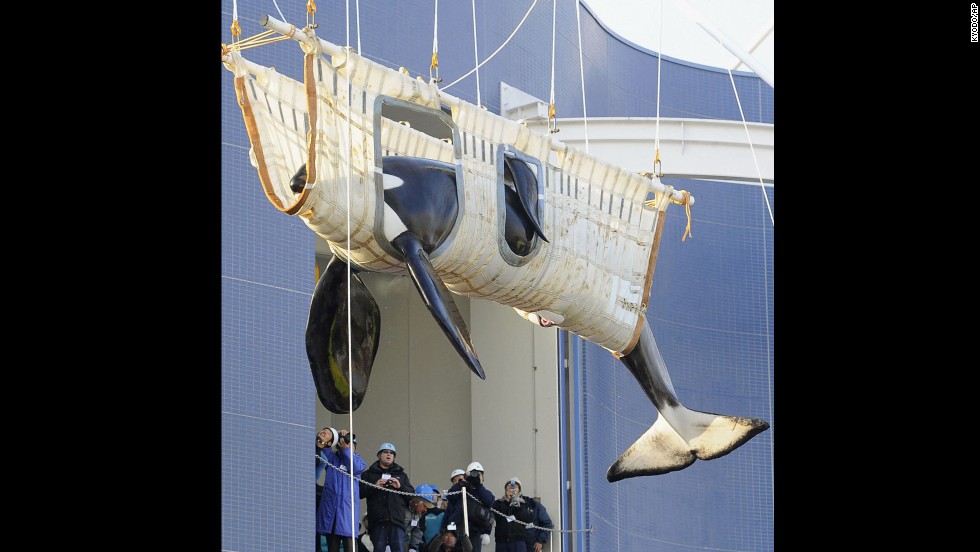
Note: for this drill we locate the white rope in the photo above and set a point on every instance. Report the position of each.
(495, 52)
(350, 165)
(234, 10)
(276, 4)
(755, 160)
(357, 6)
(554, 19)
(435, 31)
(581, 68)
(476, 57)
(660, 49)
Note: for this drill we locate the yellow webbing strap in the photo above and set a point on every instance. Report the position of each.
(251, 127)
(253, 135)
(309, 62)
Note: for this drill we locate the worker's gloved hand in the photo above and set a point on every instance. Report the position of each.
(485, 538)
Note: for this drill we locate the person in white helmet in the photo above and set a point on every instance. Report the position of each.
(337, 506)
(472, 482)
(386, 488)
(456, 476)
(516, 512)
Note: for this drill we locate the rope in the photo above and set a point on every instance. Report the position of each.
(581, 68)
(755, 160)
(350, 165)
(476, 57)
(551, 109)
(529, 525)
(657, 168)
(236, 31)
(254, 41)
(687, 209)
(495, 52)
(276, 4)
(435, 49)
(357, 10)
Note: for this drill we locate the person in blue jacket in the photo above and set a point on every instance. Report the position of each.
(333, 514)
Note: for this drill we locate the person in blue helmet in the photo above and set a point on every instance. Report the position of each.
(433, 501)
(431, 516)
(338, 508)
(387, 489)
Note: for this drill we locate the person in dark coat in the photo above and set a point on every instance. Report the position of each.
(473, 483)
(535, 538)
(387, 500)
(333, 514)
(510, 535)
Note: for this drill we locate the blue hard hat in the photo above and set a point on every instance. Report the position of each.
(387, 446)
(428, 492)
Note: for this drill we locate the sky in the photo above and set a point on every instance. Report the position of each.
(743, 21)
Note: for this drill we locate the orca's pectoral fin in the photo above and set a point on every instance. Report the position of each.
(526, 185)
(326, 338)
(438, 299)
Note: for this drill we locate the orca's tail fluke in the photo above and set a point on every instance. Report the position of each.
(692, 435)
(680, 435)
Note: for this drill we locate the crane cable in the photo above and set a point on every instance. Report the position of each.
(434, 66)
(552, 118)
(495, 51)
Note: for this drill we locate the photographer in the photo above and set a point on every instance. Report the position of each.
(473, 484)
(509, 534)
(386, 510)
(333, 513)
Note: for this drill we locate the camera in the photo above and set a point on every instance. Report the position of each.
(346, 438)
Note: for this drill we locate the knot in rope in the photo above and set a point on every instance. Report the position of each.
(687, 209)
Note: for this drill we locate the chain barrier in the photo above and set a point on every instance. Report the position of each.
(496, 513)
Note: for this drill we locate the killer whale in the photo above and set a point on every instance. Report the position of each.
(420, 209)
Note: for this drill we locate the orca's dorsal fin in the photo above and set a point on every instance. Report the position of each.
(526, 185)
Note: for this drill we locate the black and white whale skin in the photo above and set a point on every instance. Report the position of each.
(421, 208)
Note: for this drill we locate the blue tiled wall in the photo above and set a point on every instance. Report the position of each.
(711, 312)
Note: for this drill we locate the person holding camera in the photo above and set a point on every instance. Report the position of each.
(537, 536)
(472, 483)
(516, 511)
(387, 500)
(449, 540)
(339, 503)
